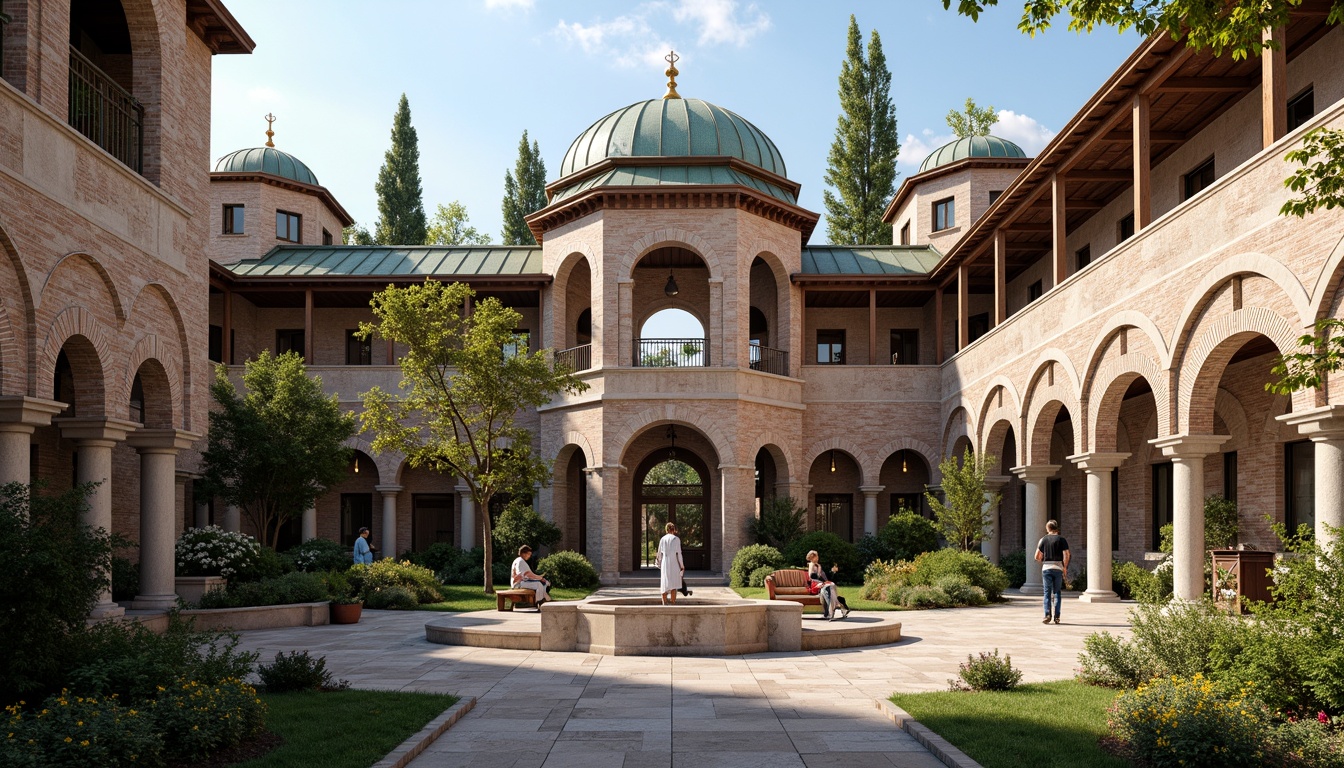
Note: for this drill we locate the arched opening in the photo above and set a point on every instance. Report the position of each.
(766, 476)
(573, 306)
(767, 336)
(903, 477)
(835, 477)
(671, 277)
(347, 507)
(102, 80)
(671, 338)
(569, 498)
(151, 400)
(672, 486)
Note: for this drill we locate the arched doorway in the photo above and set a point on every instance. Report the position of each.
(672, 486)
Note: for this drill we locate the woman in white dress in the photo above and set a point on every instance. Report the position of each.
(670, 564)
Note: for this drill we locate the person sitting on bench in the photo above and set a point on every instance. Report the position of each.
(522, 576)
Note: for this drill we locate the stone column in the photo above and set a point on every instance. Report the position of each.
(1187, 454)
(388, 532)
(608, 529)
(158, 449)
(467, 523)
(989, 546)
(737, 486)
(1099, 467)
(19, 418)
(624, 329)
(722, 351)
(233, 519)
(1033, 518)
(592, 528)
(94, 439)
(308, 523)
(1325, 427)
(870, 508)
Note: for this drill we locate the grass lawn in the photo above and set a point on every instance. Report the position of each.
(851, 595)
(344, 729)
(469, 597)
(1042, 725)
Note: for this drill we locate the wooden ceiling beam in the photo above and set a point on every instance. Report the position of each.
(1099, 175)
(1027, 227)
(1205, 85)
(1156, 137)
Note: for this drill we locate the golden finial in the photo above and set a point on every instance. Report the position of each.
(269, 133)
(672, 58)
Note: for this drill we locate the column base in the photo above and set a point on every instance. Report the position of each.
(1099, 596)
(609, 579)
(104, 611)
(1032, 589)
(154, 603)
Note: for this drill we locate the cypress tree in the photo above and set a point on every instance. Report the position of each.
(401, 213)
(524, 193)
(862, 162)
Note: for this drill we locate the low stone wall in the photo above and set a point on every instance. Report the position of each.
(261, 616)
(644, 627)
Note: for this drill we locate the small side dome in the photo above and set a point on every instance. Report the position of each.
(971, 146)
(266, 160)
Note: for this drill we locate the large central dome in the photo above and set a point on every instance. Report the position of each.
(672, 128)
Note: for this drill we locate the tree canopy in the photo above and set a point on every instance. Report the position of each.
(524, 193)
(452, 226)
(973, 121)
(401, 211)
(962, 520)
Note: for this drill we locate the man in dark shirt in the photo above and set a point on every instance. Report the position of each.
(1052, 552)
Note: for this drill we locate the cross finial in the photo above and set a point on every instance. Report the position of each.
(269, 133)
(671, 58)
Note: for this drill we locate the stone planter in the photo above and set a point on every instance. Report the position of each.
(190, 588)
(259, 617)
(346, 613)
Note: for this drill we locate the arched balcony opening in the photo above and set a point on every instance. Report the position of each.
(767, 335)
(671, 338)
(101, 104)
(671, 301)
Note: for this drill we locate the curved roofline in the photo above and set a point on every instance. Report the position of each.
(736, 163)
(970, 141)
(909, 182)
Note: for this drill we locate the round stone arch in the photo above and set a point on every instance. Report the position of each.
(158, 372)
(386, 464)
(70, 260)
(873, 469)
(92, 349)
(665, 238)
(619, 439)
(1108, 386)
(860, 458)
(781, 334)
(575, 440)
(1325, 293)
(16, 321)
(1201, 369)
(562, 317)
(176, 356)
(144, 20)
(777, 446)
(957, 425)
(13, 361)
(1233, 413)
(1001, 403)
(996, 435)
(637, 321)
(1123, 321)
(1053, 384)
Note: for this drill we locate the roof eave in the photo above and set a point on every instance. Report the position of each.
(297, 186)
(909, 182)
(217, 27)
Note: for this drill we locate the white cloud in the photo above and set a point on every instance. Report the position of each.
(719, 21)
(510, 5)
(915, 148)
(600, 36)
(636, 39)
(1022, 130)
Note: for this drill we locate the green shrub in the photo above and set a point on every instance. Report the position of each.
(198, 719)
(780, 523)
(1310, 741)
(1221, 523)
(338, 587)
(988, 672)
(319, 556)
(418, 580)
(1076, 579)
(757, 577)
(833, 551)
(1190, 722)
(932, 566)
(1183, 639)
(499, 574)
(519, 524)
(443, 556)
(297, 671)
(129, 661)
(882, 578)
(567, 569)
(80, 731)
(393, 598)
(960, 591)
(1013, 563)
(908, 535)
(750, 558)
(1133, 580)
(871, 549)
(212, 551)
(920, 596)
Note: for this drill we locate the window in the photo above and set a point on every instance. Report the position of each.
(904, 346)
(326, 236)
(1230, 475)
(1198, 179)
(905, 233)
(520, 343)
(1115, 510)
(216, 353)
(1126, 227)
(1299, 481)
(1083, 256)
(1034, 291)
(944, 214)
(977, 325)
(1054, 500)
(233, 220)
(356, 513)
(905, 502)
(289, 340)
(994, 195)
(831, 347)
(835, 513)
(1163, 501)
(357, 351)
(1301, 108)
(288, 226)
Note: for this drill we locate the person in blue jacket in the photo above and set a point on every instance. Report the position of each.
(363, 552)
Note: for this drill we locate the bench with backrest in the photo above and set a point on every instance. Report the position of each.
(790, 584)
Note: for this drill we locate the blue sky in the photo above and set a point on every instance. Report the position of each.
(480, 72)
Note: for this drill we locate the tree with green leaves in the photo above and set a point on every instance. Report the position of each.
(401, 212)
(276, 448)
(862, 162)
(457, 410)
(356, 235)
(452, 226)
(524, 193)
(974, 121)
(963, 518)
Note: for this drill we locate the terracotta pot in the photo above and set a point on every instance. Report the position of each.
(346, 613)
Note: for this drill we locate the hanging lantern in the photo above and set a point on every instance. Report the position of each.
(671, 288)
(672, 435)
(832, 459)
(356, 465)
(905, 466)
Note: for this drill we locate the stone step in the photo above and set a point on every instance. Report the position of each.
(693, 579)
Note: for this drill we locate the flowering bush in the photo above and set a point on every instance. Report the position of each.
(319, 556)
(1190, 722)
(212, 551)
(365, 580)
(1311, 741)
(197, 719)
(79, 731)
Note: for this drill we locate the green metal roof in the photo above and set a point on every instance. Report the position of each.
(672, 175)
(266, 160)
(379, 261)
(971, 146)
(672, 128)
(885, 260)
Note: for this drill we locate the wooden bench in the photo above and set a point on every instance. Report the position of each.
(790, 584)
(506, 599)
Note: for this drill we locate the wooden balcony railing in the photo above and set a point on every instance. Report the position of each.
(769, 360)
(578, 358)
(671, 353)
(105, 112)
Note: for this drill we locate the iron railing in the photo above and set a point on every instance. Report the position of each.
(769, 360)
(578, 358)
(670, 353)
(105, 112)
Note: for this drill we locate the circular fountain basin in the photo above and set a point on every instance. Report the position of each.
(643, 626)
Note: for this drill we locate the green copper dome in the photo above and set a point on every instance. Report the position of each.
(971, 146)
(266, 160)
(672, 128)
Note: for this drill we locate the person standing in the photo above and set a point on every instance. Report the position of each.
(363, 552)
(672, 571)
(1052, 552)
(522, 577)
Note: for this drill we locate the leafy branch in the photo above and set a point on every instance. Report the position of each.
(1323, 355)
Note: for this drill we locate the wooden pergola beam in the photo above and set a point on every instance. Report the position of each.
(1205, 85)
(1098, 175)
(1156, 137)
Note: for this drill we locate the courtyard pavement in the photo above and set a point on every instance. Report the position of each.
(774, 710)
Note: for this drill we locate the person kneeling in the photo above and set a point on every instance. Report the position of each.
(522, 577)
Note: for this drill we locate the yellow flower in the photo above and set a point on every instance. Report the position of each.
(84, 743)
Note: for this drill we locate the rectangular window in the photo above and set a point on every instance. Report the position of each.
(289, 340)
(1054, 500)
(831, 347)
(1083, 256)
(521, 343)
(904, 346)
(357, 351)
(1198, 179)
(216, 350)
(1115, 510)
(905, 233)
(326, 236)
(356, 513)
(994, 195)
(1163, 501)
(835, 513)
(1034, 291)
(1301, 108)
(1126, 227)
(944, 214)
(1299, 480)
(233, 220)
(288, 227)
(1230, 475)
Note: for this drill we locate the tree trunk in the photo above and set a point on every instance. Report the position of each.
(483, 515)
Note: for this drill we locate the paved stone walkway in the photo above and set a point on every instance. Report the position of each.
(551, 710)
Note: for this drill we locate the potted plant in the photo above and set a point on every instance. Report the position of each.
(346, 607)
(207, 557)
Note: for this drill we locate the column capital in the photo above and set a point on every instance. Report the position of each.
(1320, 424)
(996, 482)
(161, 440)
(1189, 446)
(1035, 472)
(27, 413)
(388, 489)
(463, 490)
(95, 429)
(726, 467)
(871, 490)
(1097, 460)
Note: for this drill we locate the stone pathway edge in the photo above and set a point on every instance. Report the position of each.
(940, 747)
(412, 747)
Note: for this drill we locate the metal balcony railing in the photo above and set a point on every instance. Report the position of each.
(671, 353)
(769, 360)
(578, 358)
(105, 112)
